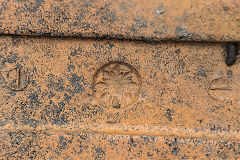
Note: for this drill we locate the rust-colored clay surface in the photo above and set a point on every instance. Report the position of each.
(62, 146)
(67, 98)
(190, 20)
(77, 82)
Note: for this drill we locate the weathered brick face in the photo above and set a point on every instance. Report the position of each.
(118, 80)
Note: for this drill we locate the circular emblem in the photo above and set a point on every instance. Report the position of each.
(17, 79)
(117, 85)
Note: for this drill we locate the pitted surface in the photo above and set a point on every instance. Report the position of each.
(181, 109)
(45, 145)
(181, 20)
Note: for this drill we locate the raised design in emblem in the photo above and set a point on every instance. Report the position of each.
(117, 85)
(17, 79)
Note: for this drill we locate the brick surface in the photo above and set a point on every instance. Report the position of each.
(195, 20)
(117, 99)
(120, 79)
(51, 145)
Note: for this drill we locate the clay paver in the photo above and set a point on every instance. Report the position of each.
(188, 20)
(179, 89)
(51, 145)
(118, 79)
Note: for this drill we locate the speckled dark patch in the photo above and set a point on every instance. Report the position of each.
(59, 101)
(142, 20)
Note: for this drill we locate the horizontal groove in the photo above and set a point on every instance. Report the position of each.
(216, 20)
(145, 40)
(132, 130)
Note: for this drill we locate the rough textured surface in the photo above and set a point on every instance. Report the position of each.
(195, 20)
(69, 98)
(132, 99)
(71, 146)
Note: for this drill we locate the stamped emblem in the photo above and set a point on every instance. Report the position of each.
(117, 85)
(17, 79)
(225, 88)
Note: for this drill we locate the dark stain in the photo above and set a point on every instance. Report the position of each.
(149, 154)
(58, 116)
(123, 6)
(71, 68)
(67, 98)
(131, 143)
(76, 52)
(173, 145)
(63, 142)
(3, 7)
(229, 73)
(169, 113)
(107, 16)
(78, 83)
(182, 33)
(90, 111)
(51, 95)
(33, 98)
(107, 46)
(175, 150)
(12, 59)
(21, 145)
(170, 62)
(140, 24)
(176, 100)
(202, 72)
(82, 145)
(33, 7)
(55, 83)
(232, 52)
(80, 22)
(55, 113)
(99, 153)
(162, 30)
(225, 8)
(23, 115)
(214, 127)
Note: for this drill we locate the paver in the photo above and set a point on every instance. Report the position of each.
(194, 20)
(119, 80)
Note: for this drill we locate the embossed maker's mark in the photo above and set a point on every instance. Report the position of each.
(117, 85)
(17, 79)
(221, 90)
